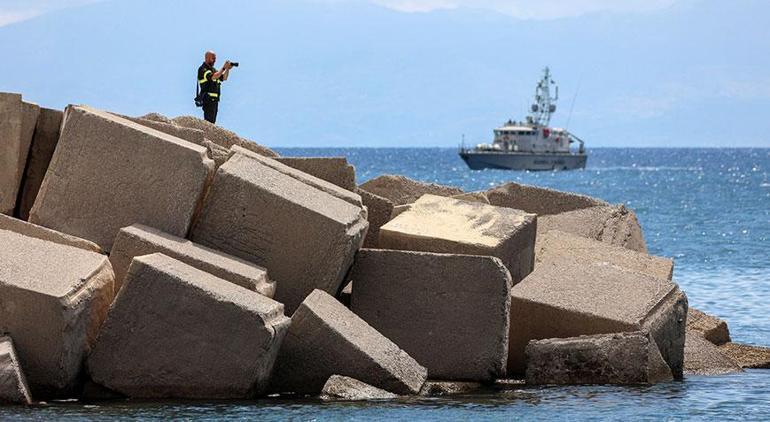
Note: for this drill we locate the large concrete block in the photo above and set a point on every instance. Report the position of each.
(108, 173)
(326, 338)
(379, 210)
(305, 237)
(138, 240)
(17, 125)
(701, 357)
(402, 190)
(13, 385)
(568, 298)
(556, 244)
(712, 328)
(53, 298)
(446, 225)
(620, 358)
(746, 355)
(615, 224)
(339, 388)
(449, 312)
(43, 233)
(539, 200)
(175, 331)
(218, 135)
(40, 152)
(335, 170)
(473, 197)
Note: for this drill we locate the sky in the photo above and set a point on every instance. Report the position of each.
(678, 73)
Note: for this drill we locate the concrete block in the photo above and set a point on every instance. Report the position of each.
(177, 332)
(305, 237)
(195, 136)
(40, 152)
(701, 357)
(615, 224)
(379, 210)
(53, 298)
(402, 190)
(556, 244)
(341, 388)
(13, 385)
(219, 135)
(108, 173)
(326, 338)
(712, 328)
(568, 298)
(539, 200)
(473, 197)
(445, 225)
(619, 358)
(138, 240)
(335, 170)
(747, 356)
(43, 233)
(447, 388)
(17, 126)
(449, 312)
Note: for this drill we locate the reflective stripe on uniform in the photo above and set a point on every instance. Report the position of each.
(205, 74)
(213, 94)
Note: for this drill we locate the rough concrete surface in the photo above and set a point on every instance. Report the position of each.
(176, 331)
(555, 244)
(44, 233)
(335, 170)
(614, 224)
(747, 356)
(341, 388)
(446, 225)
(326, 338)
(379, 210)
(539, 200)
(138, 240)
(17, 127)
(433, 388)
(43, 145)
(53, 298)
(449, 312)
(219, 135)
(402, 190)
(473, 197)
(568, 298)
(618, 358)
(13, 385)
(713, 329)
(701, 357)
(108, 173)
(305, 237)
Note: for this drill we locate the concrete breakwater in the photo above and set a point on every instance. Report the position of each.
(170, 258)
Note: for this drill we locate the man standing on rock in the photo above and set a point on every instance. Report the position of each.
(210, 80)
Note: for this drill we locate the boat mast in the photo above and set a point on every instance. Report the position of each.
(544, 104)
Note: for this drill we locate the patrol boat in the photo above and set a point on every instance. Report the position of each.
(532, 144)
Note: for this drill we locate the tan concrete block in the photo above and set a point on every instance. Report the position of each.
(473, 197)
(219, 135)
(539, 200)
(712, 328)
(746, 355)
(138, 240)
(108, 173)
(53, 298)
(175, 331)
(44, 233)
(17, 125)
(701, 357)
(13, 384)
(335, 170)
(449, 312)
(340, 388)
(568, 298)
(326, 338)
(402, 190)
(40, 152)
(615, 224)
(379, 210)
(446, 225)
(305, 237)
(556, 244)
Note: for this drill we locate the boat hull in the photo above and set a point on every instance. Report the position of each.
(478, 160)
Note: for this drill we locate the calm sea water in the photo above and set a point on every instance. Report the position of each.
(709, 209)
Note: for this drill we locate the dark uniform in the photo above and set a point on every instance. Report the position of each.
(210, 89)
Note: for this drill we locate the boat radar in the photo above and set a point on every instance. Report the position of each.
(532, 144)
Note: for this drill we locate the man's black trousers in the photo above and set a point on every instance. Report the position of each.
(210, 111)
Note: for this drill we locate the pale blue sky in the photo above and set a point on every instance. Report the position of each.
(410, 72)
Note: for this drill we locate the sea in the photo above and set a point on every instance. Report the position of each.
(708, 209)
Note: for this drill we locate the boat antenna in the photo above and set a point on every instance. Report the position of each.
(572, 106)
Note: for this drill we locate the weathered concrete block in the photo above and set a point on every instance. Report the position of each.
(339, 387)
(138, 240)
(445, 225)
(556, 244)
(615, 224)
(326, 338)
(218, 134)
(176, 331)
(379, 210)
(402, 190)
(449, 312)
(539, 200)
(43, 233)
(17, 125)
(447, 388)
(701, 357)
(195, 136)
(747, 356)
(568, 298)
(40, 152)
(305, 237)
(13, 385)
(53, 298)
(473, 197)
(619, 358)
(712, 328)
(335, 170)
(108, 173)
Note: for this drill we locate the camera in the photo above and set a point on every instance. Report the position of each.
(234, 64)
